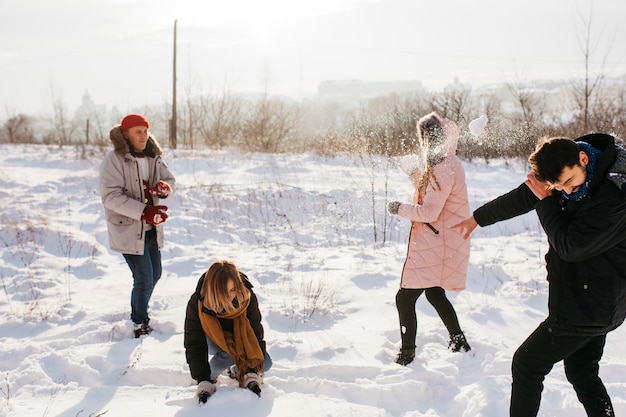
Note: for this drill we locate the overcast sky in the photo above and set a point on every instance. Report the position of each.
(120, 51)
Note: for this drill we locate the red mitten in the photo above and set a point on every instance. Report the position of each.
(161, 189)
(155, 214)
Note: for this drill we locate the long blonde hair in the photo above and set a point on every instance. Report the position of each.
(214, 291)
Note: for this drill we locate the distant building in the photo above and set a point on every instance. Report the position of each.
(88, 120)
(88, 109)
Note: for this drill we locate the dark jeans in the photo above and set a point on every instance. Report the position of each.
(534, 359)
(146, 271)
(405, 303)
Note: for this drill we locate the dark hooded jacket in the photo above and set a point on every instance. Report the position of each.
(586, 259)
(121, 190)
(196, 347)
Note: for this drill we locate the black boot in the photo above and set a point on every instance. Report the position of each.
(142, 329)
(458, 343)
(252, 381)
(405, 356)
(254, 387)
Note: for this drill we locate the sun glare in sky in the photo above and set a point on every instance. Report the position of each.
(258, 29)
(125, 49)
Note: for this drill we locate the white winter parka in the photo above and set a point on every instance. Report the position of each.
(122, 193)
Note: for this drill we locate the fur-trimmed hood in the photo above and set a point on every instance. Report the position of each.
(121, 147)
(447, 147)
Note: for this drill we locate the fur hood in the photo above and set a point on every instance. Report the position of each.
(121, 147)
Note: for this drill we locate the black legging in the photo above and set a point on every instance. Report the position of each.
(405, 302)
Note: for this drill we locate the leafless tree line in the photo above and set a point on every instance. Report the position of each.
(519, 114)
(380, 125)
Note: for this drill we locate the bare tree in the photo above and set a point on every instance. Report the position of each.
(609, 113)
(61, 127)
(393, 123)
(219, 124)
(366, 138)
(269, 122)
(584, 91)
(187, 119)
(528, 123)
(17, 129)
(493, 140)
(454, 103)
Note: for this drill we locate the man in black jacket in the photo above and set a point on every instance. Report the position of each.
(583, 213)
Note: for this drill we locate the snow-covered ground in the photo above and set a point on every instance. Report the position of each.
(326, 273)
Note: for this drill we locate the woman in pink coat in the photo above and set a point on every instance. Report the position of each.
(437, 256)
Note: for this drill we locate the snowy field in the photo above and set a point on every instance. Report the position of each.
(325, 260)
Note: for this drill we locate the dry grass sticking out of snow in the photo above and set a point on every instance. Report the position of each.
(325, 260)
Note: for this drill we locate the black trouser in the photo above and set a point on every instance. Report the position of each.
(534, 359)
(405, 303)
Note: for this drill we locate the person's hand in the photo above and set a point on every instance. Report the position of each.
(161, 189)
(466, 227)
(392, 207)
(252, 381)
(155, 215)
(539, 188)
(205, 390)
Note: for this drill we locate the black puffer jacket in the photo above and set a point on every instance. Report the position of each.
(196, 348)
(586, 260)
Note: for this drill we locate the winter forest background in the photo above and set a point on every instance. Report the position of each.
(349, 115)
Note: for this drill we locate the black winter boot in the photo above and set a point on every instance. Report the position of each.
(142, 329)
(458, 343)
(252, 381)
(405, 356)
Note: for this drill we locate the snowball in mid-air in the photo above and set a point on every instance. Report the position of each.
(477, 126)
(411, 163)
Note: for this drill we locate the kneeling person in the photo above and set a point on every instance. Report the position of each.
(223, 320)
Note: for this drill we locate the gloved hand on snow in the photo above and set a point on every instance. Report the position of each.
(252, 381)
(393, 206)
(155, 215)
(205, 390)
(161, 189)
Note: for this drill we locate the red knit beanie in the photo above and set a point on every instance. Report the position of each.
(133, 120)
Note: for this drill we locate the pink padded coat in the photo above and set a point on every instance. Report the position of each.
(438, 256)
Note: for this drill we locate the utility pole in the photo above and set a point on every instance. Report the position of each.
(174, 118)
(87, 132)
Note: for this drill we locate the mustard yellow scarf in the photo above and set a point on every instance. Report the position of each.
(241, 344)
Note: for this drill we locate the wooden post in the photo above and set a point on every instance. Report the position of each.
(173, 128)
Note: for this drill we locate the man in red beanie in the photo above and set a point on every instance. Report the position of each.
(133, 120)
(133, 180)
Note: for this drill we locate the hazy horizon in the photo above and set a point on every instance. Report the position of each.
(121, 52)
